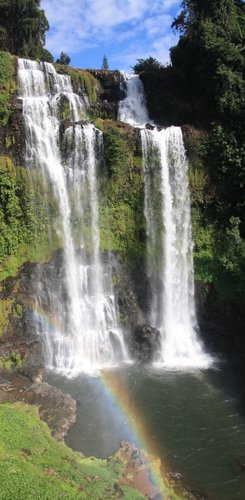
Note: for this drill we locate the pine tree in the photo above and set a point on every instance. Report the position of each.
(105, 64)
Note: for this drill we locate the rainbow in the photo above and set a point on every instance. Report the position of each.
(111, 385)
(115, 389)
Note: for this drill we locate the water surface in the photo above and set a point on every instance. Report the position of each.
(192, 420)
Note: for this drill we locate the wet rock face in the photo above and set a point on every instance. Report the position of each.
(110, 94)
(145, 342)
(19, 344)
(21, 347)
(130, 313)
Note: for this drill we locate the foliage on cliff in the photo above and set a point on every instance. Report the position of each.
(23, 218)
(82, 81)
(122, 212)
(150, 64)
(210, 62)
(7, 86)
(210, 55)
(22, 28)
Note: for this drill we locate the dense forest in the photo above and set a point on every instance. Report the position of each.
(22, 29)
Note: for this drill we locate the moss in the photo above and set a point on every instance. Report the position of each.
(5, 311)
(90, 84)
(65, 110)
(7, 85)
(82, 79)
(26, 200)
(100, 124)
(204, 236)
(17, 311)
(34, 465)
(13, 360)
(9, 141)
(122, 196)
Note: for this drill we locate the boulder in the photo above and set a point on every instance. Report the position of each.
(145, 342)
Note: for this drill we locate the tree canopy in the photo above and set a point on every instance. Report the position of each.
(150, 64)
(22, 28)
(210, 63)
(64, 59)
(210, 53)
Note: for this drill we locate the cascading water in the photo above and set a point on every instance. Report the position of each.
(169, 239)
(77, 297)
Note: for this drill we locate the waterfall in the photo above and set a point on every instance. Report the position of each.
(76, 313)
(169, 236)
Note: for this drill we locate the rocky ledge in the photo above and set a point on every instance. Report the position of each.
(56, 408)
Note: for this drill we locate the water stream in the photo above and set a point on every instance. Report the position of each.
(169, 238)
(86, 335)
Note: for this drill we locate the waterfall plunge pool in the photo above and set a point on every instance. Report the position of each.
(193, 420)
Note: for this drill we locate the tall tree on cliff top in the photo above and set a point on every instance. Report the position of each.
(22, 28)
(209, 59)
(63, 59)
(210, 52)
(105, 64)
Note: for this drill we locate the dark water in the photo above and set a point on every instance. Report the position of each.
(195, 421)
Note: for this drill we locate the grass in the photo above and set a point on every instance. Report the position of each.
(34, 465)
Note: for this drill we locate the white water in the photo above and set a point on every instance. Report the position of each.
(169, 238)
(79, 299)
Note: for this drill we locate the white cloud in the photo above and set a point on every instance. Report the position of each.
(76, 25)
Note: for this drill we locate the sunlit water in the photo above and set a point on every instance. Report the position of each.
(192, 420)
(169, 235)
(76, 312)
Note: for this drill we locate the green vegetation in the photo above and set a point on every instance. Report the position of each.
(81, 79)
(5, 310)
(7, 86)
(219, 247)
(22, 28)
(122, 198)
(209, 56)
(150, 65)
(64, 59)
(209, 59)
(65, 110)
(34, 465)
(14, 360)
(105, 64)
(23, 217)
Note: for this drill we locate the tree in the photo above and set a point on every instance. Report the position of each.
(210, 52)
(64, 59)
(105, 64)
(22, 27)
(150, 64)
(46, 56)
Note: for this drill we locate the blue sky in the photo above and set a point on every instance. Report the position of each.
(124, 30)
